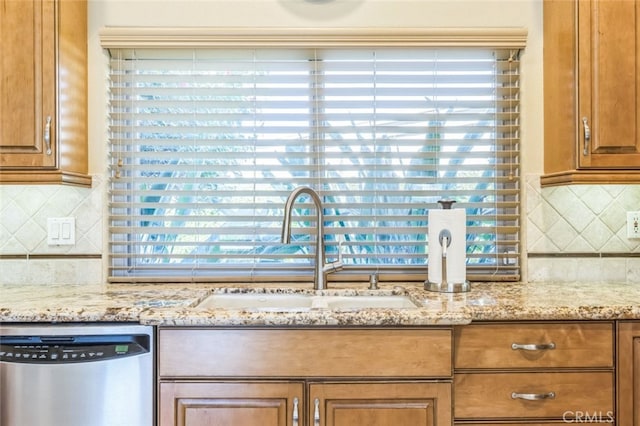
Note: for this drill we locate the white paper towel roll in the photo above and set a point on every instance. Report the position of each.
(455, 220)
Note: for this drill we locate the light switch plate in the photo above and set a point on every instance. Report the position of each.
(633, 225)
(61, 231)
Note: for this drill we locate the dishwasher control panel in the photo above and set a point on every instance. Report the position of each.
(71, 349)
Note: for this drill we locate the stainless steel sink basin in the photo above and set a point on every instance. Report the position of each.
(301, 302)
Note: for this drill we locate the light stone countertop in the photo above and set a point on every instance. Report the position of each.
(176, 304)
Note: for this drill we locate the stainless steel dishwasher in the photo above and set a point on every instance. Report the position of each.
(76, 375)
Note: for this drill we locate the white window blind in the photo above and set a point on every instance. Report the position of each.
(207, 143)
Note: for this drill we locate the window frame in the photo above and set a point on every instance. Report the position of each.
(120, 38)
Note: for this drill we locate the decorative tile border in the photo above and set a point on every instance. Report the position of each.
(583, 269)
(54, 271)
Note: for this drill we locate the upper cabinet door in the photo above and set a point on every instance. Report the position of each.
(43, 92)
(27, 84)
(609, 83)
(591, 91)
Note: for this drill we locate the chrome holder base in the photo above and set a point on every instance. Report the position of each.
(447, 287)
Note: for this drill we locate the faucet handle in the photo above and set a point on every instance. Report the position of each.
(336, 265)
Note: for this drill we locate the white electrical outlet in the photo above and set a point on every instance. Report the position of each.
(633, 225)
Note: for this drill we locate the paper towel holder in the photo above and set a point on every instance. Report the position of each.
(445, 240)
(446, 204)
(447, 287)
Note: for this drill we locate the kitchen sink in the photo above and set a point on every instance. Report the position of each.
(257, 301)
(354, 302)
(301, 302)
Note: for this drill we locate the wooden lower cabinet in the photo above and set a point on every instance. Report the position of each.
(246, 404)
(524, 423)
(305, 376)
(379, 404)
(534, 373)
(186, 403)
(564, 395)
(628, 370)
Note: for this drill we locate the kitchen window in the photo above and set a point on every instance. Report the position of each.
(210, 133)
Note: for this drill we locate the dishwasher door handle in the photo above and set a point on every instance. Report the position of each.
(57, 339)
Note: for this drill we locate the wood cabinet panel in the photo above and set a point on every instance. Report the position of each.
(380, 404)
(609, 82)
(242, 403)
(43, 92)
(28, 69)
(490, 395)
(591, 80)
(575, 345)
(559, 372)
(521, 423)
(410, 352)
(527, 423)
(628, 369)
(311, 376)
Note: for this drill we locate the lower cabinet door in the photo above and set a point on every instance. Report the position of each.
(379, 404)
(231, 403)
(628, 395)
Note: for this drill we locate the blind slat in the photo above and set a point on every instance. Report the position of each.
(206, 145)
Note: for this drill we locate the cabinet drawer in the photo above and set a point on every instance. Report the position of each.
(484, 395)
(525, 423)
(575, 345)
(202, 352)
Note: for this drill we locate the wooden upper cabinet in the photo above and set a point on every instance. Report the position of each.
(591, 91)
(43, 92)
(28, 69)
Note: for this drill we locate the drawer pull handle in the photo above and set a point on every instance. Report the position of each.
(533, 396)
(533, 347)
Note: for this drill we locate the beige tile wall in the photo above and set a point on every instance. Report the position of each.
(27, 258)
(578, 232)
(571, 233)
(24, 211)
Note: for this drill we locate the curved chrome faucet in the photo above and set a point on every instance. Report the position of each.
(321, 269)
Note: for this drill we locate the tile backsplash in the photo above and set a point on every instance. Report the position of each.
(578, 232)
(25, 254)
(571, 233)
(579, 218)
(24, 211)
